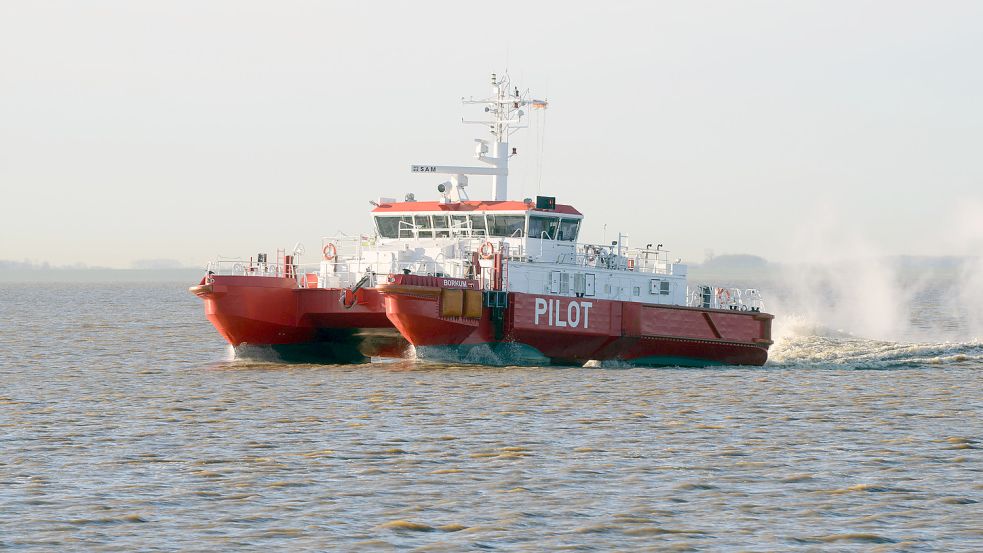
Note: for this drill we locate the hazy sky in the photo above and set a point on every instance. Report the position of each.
(140, 130)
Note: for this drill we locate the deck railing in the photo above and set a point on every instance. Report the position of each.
(607, 257)
(735, 299)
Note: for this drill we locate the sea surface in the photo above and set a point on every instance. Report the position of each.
(126, 424)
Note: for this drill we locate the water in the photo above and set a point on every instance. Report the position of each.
(125, 425)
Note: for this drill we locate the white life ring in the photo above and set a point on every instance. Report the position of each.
(329, 251)
(591, 253)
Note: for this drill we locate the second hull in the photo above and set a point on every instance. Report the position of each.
(260, 315)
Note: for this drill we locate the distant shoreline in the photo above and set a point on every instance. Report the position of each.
(190, 275)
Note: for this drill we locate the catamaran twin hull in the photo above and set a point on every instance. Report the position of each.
(520, 287)
(453, 320)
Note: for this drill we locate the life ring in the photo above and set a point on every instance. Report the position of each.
(723, 296)
(487, 250)
(591, 252)
(329, 251)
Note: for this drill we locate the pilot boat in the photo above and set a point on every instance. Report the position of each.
(494, 281)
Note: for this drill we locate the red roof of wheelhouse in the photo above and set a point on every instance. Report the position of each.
(466, 206)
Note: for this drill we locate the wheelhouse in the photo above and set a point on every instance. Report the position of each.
(474, 219)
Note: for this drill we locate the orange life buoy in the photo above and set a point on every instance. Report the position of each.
(487, 250)
(723, 295)
(329, 251)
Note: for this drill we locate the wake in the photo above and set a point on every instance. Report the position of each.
(833, 349)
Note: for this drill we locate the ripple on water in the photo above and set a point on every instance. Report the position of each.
(858, 537)
(133, 431)
(406, 526)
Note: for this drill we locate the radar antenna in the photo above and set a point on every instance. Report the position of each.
(505, 109)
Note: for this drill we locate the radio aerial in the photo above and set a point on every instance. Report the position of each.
(505, 112)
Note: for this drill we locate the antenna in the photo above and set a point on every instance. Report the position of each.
(505, 113)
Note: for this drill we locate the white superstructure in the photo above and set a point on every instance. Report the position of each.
(520, 246)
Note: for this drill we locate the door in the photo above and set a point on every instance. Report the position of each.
(554, 282)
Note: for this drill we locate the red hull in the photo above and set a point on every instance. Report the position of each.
(576, 330)
(272, 311)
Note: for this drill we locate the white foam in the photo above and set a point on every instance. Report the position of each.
(859, 353)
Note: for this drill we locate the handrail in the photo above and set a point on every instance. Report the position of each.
(347, 267)
(735, 299)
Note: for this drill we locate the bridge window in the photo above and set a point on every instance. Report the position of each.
(506, 225)
(543, 227)
(440, 225)
(428, 226)
(390, 227)
(424, 225)
(460, 224)
(478, 224)
(553, 228)
(568, 230)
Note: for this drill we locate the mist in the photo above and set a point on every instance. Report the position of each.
(850, 288)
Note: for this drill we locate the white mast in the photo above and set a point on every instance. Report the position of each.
(504, 108)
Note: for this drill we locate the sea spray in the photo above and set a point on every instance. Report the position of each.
(970, 294)
(968, 235)
(844, 284)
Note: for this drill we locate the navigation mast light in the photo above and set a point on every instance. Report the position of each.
(504, 118)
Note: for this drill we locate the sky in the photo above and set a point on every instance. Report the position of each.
(184, 130)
